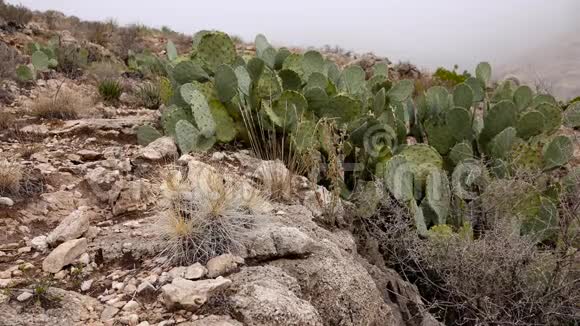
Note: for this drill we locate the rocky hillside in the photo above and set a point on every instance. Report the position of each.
(119, 207)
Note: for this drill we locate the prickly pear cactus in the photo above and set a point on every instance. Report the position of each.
(398, 177)
(171, 116)
(458, 121)
(440, 136)
(200, 109)
(313, 62)
(225, 128)
(342, 107)
(244, 80)
(523, 97)
(461, 151)
(188, 71)
(352, 80)
(40, 61)
(437, 199)
(294, 62)
(500, 116)
(572, 115)
(24, 73)
(269, 85)
(286, 112)
(503, 142)
(186, 136)
(146, 134)
(477, 87)
(171, 51)
(530, 123)
(401, 90)
(463, 96)
(226, 83)
(558, 152)
(483, 72)
(290, 80)
(552, 116)
(304, 136)
(381, 69)
(437, 100)
(214, 49)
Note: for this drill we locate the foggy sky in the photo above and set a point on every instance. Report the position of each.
(429, 33)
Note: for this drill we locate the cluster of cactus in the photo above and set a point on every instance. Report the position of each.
(289, 92)
(43, 58)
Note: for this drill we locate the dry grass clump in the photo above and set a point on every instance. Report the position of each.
(204, 215)
(65, 104)
(7, 120)
(11, 175)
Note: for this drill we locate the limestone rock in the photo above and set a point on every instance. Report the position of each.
(5, 201)
(64, 255)
(190, 295)
(159, 149)
(72, 227)
(222, 265)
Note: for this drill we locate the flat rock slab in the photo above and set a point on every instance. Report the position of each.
(64, 255)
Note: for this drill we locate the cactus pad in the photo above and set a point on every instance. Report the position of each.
(531, 123)
(216, 48)
(463, 96)
(552, 116)
(523, 97)
(483, 72)
(146, 134)
(401, 90)
(558, 152)
(226, 83)
(572, 115)
(341, 107)
(459, 122)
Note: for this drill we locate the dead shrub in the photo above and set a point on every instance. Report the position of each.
(127, 40)
(104, 70)
(71, 60)
(64, 104)
(496, 277)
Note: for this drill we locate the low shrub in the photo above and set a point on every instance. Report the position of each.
(11, 175)
(451, 77)
(71, 60)
(149, 95)
(110, 90)
(9, 60)
(65, 104)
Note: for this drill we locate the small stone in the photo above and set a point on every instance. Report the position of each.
(131, 306)
(61, 275)
(64, 255)
(5, 201)
(160, 148)
(190, 295)
(89, 155)
(222, 265)
(86, 285)
(108, 313)
(194, 272)
(145, 288)
(72, 227)
(118, 286)
(39, 243)
(130, 289)
(24, 250)
(85, 259)
(24, 296)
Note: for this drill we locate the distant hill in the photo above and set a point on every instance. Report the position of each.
(555, 66)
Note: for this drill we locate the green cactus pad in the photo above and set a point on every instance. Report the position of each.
(341, 107)
(459, 122)
(352, 80)
(171, 116)
(290, 80)
(543, 221)
(317, 79)
(199, 108)
(146, 134)
(523, 97)
(317, 100)
(281, 56)
(261, 43)
(463, 96)
(188, 71)
(531, 123)
(216, 48)
(171, 51)
(477, 87)
(440, 136)
(469, 176)
(437, 196)
(504, 92)
(294, 62)
(304, 136)
(483, 72)
(401, 90)
(24, 73)
(379, 102)
(398, 177)
(226, 83)
(558, 152)
(437, 98)
(244, 80)
(312, 62)
(419, 218)
(186, 136)
(527, 156)
(461, 151)
(552, 116)
(255, 68)
(40, 60)
(269, 57)
(503, 142)
(500, 116)
(225, 128)
(269, 85)
(381, 69)
(288, 109)
(422, 154)
(332, 71)
(378, 82)
(572, 115)
(543, 98)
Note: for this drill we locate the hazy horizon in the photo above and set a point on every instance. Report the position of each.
(427, 33)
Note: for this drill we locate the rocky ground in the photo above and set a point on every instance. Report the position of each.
(79, 246)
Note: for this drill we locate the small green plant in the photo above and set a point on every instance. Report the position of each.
(41, 294)
(451, 76)
(149, 95)
(110, 90)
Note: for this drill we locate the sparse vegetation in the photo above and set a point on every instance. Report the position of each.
(204, 215)
(11, 176)
(9, 60)
(149, 95)
(110, 90)
(71, 60)
(451, 77)
(64, 104)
